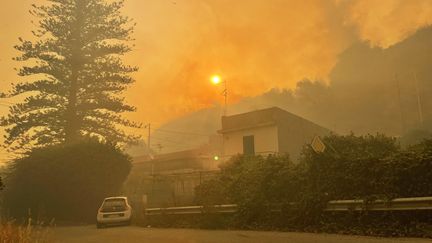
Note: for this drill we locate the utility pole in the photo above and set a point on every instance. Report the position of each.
(216, 79)
(225, 94)
(148, 126)
(419, 105)
(149, 135)
(160, 147)
(400, 105)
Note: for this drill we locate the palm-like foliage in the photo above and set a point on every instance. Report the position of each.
(76, 76)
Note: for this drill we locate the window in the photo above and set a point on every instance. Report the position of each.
(248, 145)
(114, 205)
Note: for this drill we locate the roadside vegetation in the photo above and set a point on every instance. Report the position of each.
(10, 232)
(65, 182)
(352, 167)
(66, 130)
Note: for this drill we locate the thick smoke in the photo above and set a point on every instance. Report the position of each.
(255, 45)
(370, 90)
(386, 22)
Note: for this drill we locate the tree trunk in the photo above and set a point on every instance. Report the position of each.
(72, 129)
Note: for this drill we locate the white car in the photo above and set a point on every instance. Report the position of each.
(114, 211)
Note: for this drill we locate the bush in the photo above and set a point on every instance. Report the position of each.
(352, 167)
(30, 232)
(254, 183)
(66, 182)
(411, 171)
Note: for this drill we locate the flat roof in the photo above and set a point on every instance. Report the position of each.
(272, 116)
(185, 154)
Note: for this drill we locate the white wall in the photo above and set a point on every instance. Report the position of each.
(266, 141)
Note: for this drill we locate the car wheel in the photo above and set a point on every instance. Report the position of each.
(99, 225)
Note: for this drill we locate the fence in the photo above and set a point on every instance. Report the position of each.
(398, 204)
(167, 189)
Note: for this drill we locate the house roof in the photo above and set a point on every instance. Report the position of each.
(188, 160)
(259, 118)
(186, 154)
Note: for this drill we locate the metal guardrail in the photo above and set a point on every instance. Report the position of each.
(398, 204)
(229, 208)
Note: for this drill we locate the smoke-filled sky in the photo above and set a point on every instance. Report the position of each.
(256, 45)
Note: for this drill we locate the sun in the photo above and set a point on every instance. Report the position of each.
(216, 79)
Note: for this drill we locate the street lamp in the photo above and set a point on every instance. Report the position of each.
(216, 80)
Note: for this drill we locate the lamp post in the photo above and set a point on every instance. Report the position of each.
(216, 80)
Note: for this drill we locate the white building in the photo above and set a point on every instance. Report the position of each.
(267, 131)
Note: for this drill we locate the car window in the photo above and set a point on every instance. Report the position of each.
(114, 203)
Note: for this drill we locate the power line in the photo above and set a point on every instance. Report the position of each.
(171, 130)
(175, 146)
(164, 140)
(419, 103)
(7, 102)
(148, 136)
(2, 149)
(170, 144)
(182, 132)
(173, 141)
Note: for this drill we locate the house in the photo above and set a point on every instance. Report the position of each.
(196, 159)
(176, 162)
(170, 179)
(267, 131)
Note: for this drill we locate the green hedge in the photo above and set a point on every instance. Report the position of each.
(352, 167)
(64, 182)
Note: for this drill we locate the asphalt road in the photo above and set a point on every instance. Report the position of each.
(137, 234)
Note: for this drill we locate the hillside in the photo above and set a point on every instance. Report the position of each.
(370, 90)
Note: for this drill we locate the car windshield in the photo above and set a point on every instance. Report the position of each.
(113, 205)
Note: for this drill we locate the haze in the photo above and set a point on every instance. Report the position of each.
(257, 45)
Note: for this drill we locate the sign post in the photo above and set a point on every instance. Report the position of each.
(318, 145)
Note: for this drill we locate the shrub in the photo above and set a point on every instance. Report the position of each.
(66, 182)
(38, 232)
(352, 167)
(254, 183)
(411, 171)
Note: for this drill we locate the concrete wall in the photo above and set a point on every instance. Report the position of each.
(275, 131)
(295, 134)
(266, 141)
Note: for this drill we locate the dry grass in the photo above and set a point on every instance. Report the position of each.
(32, 232)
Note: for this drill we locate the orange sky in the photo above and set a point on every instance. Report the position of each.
(255, 44)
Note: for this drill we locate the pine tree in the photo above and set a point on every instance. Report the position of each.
(76, 76)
